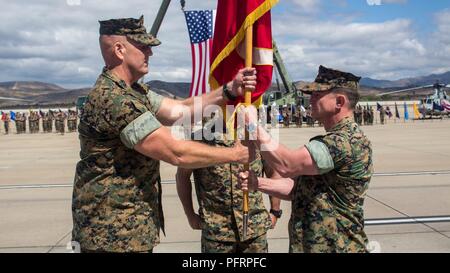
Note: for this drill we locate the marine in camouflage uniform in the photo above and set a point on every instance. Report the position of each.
(286, 116)
(18, 129)
(358, 115)
(298, 116)
(117, 191)
(327, 209)
(333, 177)
(33, 120)
(117, 194)
(47, 123)
(220, 206)
(62, 122)
(20, 123)
(72, 121)
(51, 117)
(6, 120)
(309, 120)
(116, 203)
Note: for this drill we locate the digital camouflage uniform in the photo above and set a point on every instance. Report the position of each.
(31, 123)
(117, 194)
(61, 121)
(47, 123)
(50, 121)
(220, 208)
(72, 121)
(116, 203)
(327, 209)
(34, 120)
(21, 123)
(18, 123)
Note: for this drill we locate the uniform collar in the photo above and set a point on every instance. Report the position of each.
(109, 75)
(341, 124)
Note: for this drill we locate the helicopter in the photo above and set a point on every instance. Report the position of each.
(436, 104)
(291, 95)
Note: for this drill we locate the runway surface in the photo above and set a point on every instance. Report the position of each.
(407, 208)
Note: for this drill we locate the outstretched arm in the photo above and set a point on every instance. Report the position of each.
(281, 188)
(161, 145)
(286, 162)
(244, 79)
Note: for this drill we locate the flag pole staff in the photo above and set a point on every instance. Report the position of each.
(248, 102)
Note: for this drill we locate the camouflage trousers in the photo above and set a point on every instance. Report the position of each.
(255, 245)
(72, 125)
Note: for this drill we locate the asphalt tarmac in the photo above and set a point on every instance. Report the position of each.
(407, 208)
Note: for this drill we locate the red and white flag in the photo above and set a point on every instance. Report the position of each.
(233, 17)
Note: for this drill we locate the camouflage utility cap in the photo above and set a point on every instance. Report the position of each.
(129, 27)
(329, 79)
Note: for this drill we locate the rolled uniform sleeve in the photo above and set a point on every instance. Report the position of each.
(138, 129)
(329, 152)
(321, 156)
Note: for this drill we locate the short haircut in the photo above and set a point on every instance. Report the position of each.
(352, 96)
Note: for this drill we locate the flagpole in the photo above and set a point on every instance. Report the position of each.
(248, 102)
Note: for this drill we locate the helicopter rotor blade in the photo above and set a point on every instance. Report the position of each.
(404, 90)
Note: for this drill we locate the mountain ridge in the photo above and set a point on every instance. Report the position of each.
(41, 93)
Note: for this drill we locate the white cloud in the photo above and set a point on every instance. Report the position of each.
(380, 2)
(307, 5)
(391, 48)
(55, 41)
(374, 2)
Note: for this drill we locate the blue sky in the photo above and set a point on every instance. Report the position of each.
(57, 40)
(420, 11)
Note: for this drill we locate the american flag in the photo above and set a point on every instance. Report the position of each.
(200, 25)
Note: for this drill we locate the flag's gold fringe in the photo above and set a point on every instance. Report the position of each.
(230, 120)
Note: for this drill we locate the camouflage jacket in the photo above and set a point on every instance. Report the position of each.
(116, 203)
(327, 209)
(220, 202)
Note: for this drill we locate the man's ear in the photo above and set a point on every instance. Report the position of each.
(340, 101)
(119, 50)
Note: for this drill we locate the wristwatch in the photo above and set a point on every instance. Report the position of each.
(227, 93)
(276, 213)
